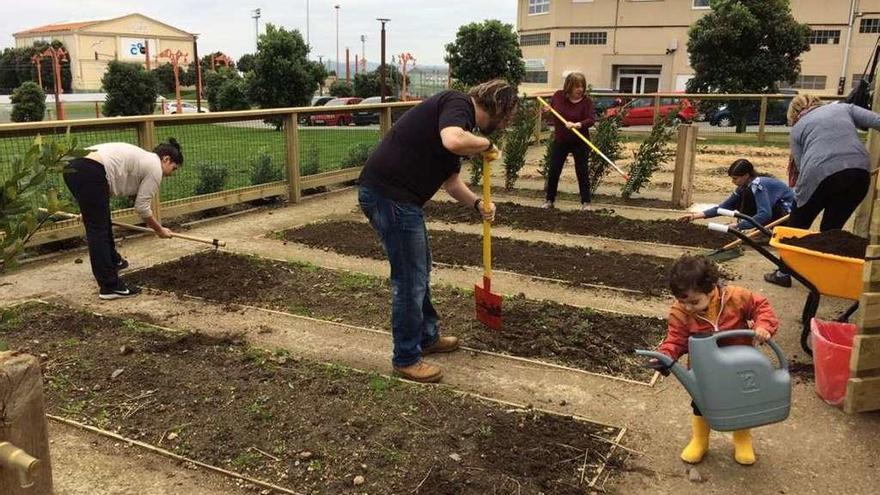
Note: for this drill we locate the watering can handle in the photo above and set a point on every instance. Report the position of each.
(783, 363)
(666, 361)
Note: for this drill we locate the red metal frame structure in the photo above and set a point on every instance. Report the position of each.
(58, 55)
(405, 58)
(36, 60)
(222, 57)
(174, 58)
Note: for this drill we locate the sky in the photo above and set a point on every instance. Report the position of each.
(420, 27)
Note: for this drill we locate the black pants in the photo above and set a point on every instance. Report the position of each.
(839, 195)
(558, 154)
(88, 183)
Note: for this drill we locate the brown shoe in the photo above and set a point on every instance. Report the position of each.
(420, 372)
(443, 344)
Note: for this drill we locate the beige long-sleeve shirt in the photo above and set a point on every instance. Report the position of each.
(131, 171)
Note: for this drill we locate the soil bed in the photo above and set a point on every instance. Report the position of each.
(574, 197)
(308, 427)
(575, 265)
(839, 242)
(595, 223)
(581, 338)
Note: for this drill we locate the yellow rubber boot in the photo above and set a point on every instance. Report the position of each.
(742, 447)
(699, 443)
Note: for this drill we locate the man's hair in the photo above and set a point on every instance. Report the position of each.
(497, 97)
(696, 273)
(571, 81)
(171, 149)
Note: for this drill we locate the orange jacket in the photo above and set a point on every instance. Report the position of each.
(730, 308)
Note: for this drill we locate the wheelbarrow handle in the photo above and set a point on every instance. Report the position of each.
(736, 214)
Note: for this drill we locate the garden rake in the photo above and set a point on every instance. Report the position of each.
(488, 305)
(584, 139)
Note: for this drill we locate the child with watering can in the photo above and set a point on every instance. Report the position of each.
(703, 305)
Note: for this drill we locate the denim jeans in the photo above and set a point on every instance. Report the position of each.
(401, 228)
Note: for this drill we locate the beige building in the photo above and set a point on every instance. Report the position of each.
(92, 44)
(640, 46)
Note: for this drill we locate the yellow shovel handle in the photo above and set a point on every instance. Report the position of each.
(487, 229)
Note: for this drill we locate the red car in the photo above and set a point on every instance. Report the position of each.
(338, 118)
(641, 110)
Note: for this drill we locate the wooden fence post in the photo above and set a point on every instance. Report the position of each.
(384, 121)
(146, 133)
(291, 142)
(762, 120)
(656, 109)
(24, 438)
(685, 157)
(864, 213)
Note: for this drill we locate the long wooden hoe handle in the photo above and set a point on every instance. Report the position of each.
(584, 139)
(754, 232)
(213, 242)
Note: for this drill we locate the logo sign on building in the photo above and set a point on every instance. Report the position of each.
(134, 48)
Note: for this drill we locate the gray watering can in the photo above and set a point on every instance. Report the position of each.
(735, 386)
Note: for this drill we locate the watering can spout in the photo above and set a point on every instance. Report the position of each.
(684, 375)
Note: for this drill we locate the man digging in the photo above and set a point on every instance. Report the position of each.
(421, 153)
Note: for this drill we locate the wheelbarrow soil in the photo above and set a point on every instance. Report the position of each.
(308, 427)
(582, 338)
(838, 242)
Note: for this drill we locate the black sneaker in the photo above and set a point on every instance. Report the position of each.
(120, 293)
(122, 264)
(777, 278)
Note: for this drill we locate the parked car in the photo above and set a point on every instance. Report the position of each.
(776, 114)
(640, 111)
(603, 103)
(186, 107)
(337, 118)
(317, 101)
(367, 117)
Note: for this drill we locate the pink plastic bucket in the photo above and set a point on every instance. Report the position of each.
(832, 346)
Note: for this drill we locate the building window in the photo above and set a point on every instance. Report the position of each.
(536, 39)
(809, 82)
(825, 37)
(539, 7)
(589, 38)
(701, 4)
(870, 26)
(536, 76)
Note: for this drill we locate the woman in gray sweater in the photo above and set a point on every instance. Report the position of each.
(830, 167)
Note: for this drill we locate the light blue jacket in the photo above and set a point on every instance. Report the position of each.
(768, 192)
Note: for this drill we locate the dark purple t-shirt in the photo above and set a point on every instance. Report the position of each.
(410, 164)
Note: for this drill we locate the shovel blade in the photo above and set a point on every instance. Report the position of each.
(721, 256)
(488, 307)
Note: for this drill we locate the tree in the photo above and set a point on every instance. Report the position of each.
(214, 80)
(745, 46)
(341, 89)
(516, 141)
(131, 90)
(367, 85)
(164, 75)
(484, 51)
(16, 67)
(246, 63)
(28, 103)
(283, 76)
(232, 95)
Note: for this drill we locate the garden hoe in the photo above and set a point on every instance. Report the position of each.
(217, 243)
(733, 250)
(488, 304)
(584, 139)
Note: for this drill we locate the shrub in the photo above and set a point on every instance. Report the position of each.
(544, 169)
(28, 103)
(357, 155)
(263, 171)
(652, 154)
(131, 90)
(312, 163)
(607, 138)
(341, 89)
(212, 178)
(516, 141)
(232, 95)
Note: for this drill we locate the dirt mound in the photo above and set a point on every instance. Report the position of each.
(837, 242)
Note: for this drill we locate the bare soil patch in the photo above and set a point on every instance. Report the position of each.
(576, 265)
(594, 223)
(596, 198)
(577, 337)
(307, 427)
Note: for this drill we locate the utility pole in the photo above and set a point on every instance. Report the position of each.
(382, 88)
(321, 82)
(198, 74)
(337, 40)
(364, 53)
(175, 57)
(307, 22)
(58, 55)
(256, 15)
(347, 67)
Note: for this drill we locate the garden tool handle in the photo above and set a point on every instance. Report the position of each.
(752, 233)
(783, 362)
(735, 213)
(213, 242)
(583, 138)
(487, 226)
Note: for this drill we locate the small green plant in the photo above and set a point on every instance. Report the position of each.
(351, 280)
(544, 169)
(28, 103)
(607, 138)
(245, 459)
(652, 154)
(379, 385)
(212, 178)
(516, 141)
(263, 170)
(315, 466)
(259, 408)
(312, 162)
(485, 431)
(357, 155)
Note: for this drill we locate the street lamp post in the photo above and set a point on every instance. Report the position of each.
(382, 85)
(256, 15)
(307, 22)
(364, 53)
(337, 40)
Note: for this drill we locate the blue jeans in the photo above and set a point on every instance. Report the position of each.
(401, 228)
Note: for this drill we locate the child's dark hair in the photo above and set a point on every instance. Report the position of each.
(695, 273)
(741, 167)
(171, 149)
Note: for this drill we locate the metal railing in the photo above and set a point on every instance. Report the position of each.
(229, 157)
